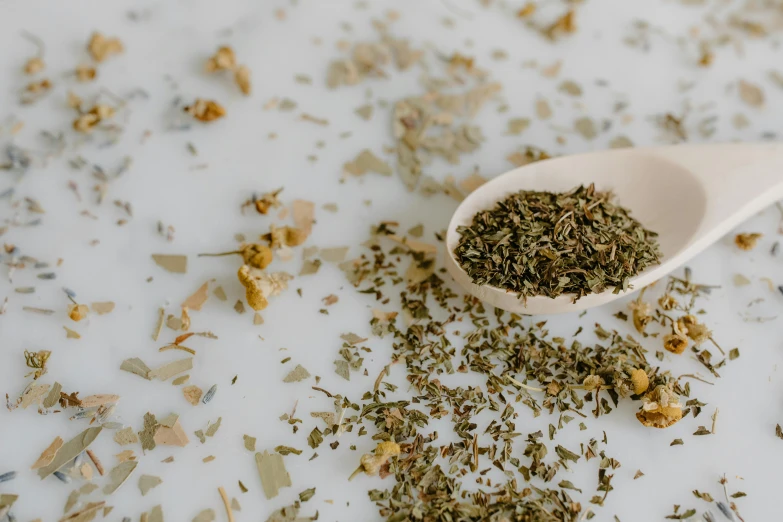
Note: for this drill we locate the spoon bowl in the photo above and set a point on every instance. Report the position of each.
(691, 195)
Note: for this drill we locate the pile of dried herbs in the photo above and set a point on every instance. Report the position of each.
(544, 243)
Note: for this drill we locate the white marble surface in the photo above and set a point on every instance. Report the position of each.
(171, 40)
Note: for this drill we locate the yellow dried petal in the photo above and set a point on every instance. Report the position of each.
(34, 65)
(242, 77)
(387, 448)
(101, 47)
(747, 241)
(77, 312)
(660, 419)
(205, 110)
(223, 59)
(85, 73)
(640, 381)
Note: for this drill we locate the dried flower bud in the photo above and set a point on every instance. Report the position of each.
(101, 47)
(667, 302)
(85, 73)
(259, 285)
(371, 463)
(661, 408)
(675, 343)
(224, 59)
(39, 86)
(563, 25)
(690, 326)
(77, 312)
(34, 65)
(640, 381)
(242, 77)
(205, 110)
(267, 200)
(87, 121)
(642, 314)
(747, 241)
(592, 382)
(457, 60)
(527, 10)
(256, 255)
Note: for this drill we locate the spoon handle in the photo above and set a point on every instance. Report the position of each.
(738, 180)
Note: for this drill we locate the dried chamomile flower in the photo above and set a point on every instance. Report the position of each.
(101, 47)
(85, 73)
(690, 326)
(371, 463)
(223, 60)
(667, 302)
(205, 110)
(256, 255)
(661, 408)
(592, 382)
(675, 342)
(640, 381)
(642, 314)
(747, 241)
(88, 120)
(34, 65)
(242, 77)
(260, 285)
(267, 201)
(77, 312)
(37, 360)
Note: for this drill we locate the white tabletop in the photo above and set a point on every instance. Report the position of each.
(165, 47)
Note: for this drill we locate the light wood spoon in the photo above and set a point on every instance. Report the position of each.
(691, 195)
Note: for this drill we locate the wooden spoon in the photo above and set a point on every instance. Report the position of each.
(691, 195)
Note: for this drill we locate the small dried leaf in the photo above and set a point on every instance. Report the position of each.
(334, 255)
(102, 307)
(274, 476)
(366, 162)
(169, 370)
(147, 482)
(71, 334)
(126, 436)
(250, 442)
(192, 394)
(751, 94)
(48, 454)
(586, 127)
(197, 300)
(177, 264)
(303, 214)
(70, 450)
(343, 369)
(297, 374)
(137, 366)
(364, 112)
